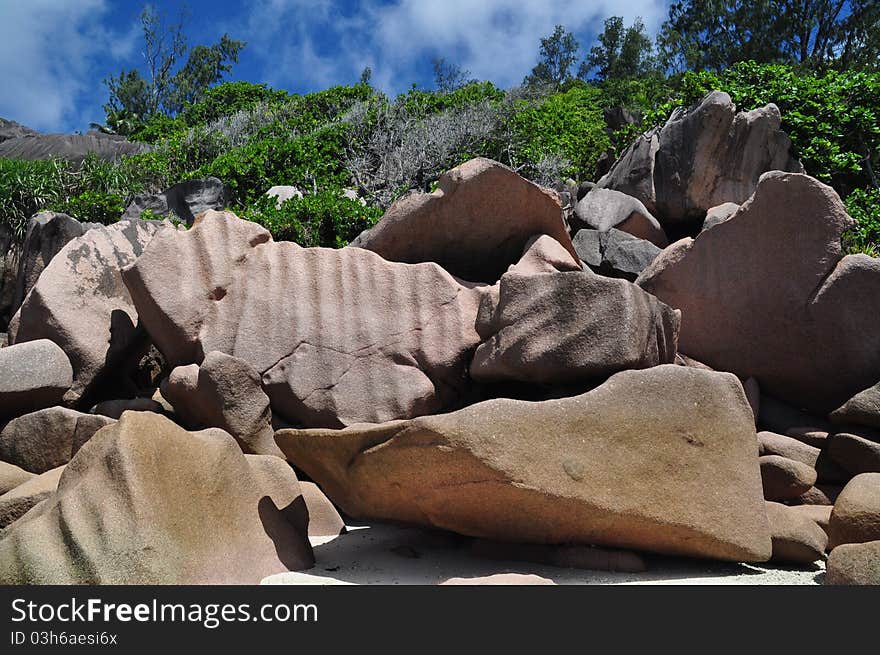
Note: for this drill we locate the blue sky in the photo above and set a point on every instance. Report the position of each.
(54, 53)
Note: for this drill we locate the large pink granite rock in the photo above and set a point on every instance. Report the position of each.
(768, 294)
(145, 502)
(663, 459)
(338, 336)
(80, 303)
(474, 225)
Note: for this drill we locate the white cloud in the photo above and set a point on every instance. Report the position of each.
(493, 39)
(48, 55)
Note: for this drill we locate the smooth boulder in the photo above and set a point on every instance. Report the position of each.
(556, 328)
(796, 538)
(854, 564)
(785, 479)
(18, 501)
(11, 476)
(338, 336)
(474, 225)
(768, 294)
(604, 209)
(174, 508)
(615, 253)
(223, 392)
(33, 375)
(48, 438)
(653, 475)
(856, 514)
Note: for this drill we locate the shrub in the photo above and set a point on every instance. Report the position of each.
(325, 219)
(93, 206)
(569, 125)
(864, 206)
(227, 99)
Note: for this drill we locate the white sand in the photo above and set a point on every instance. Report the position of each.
(384, 554)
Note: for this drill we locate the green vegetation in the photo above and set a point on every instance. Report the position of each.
(552, 127)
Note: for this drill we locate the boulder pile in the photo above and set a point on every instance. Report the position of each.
(684, 363)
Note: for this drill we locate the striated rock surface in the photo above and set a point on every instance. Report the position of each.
(338, 336)
(174, 508)
(655, 473)
(768, 294)
(474, 225)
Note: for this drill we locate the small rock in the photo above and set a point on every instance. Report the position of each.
(785, 479)
(854, 564)
(114, 408)
(796, 538)
(856, 514)
(719, 214)
(48, 438)
(770, 443)
(33, 375)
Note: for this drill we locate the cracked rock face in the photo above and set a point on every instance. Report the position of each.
(338, 336)
(80, 303)
(702, 157)
(767, 294)
(145, 502)
(626, 465)
(474, 225)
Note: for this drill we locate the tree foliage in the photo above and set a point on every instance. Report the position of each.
(558, 54)
(621, 52)
(168, 86)
(715, 34)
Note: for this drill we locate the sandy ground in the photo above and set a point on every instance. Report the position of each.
(385, 554)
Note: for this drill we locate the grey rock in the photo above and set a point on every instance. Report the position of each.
(73, 147)
(702, 157)
(12, 130)
(719, 214)
(32, 376)
(614, 253)
(603, 209)
(185, 200)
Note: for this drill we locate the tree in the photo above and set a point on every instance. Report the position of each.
(558, 54)
(163, 90)
(448, 77)
(366, 75)
(715, 34)
(621, 52)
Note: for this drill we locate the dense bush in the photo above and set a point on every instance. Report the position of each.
(864, 206)
(324, 219)
(568, 125)
(253, 137)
